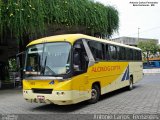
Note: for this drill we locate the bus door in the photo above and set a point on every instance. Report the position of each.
(80, 64)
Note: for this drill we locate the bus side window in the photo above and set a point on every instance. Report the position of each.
(123, 51)
(139, 55)
(113, 52)
(127, 54)
(97, 50)
(120, 53)
(107, 53)
(134, 54)
(131, 54)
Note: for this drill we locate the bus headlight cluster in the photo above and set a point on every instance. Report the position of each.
(60, 93)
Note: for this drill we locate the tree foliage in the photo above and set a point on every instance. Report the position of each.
(148, 48)
(21, 17)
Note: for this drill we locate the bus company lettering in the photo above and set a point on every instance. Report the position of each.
(105, 68)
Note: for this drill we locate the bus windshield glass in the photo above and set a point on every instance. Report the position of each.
(48, 59)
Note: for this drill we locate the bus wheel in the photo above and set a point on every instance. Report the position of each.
(130, 87)
(95, 94)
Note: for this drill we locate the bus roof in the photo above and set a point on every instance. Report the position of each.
(73, 37)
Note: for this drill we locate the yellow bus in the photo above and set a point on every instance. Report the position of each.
(67, 69)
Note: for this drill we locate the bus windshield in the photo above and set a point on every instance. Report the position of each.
(48, 59)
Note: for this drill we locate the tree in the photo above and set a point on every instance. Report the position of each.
(148, 48)
(19, 18)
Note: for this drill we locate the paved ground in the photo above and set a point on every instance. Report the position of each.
(144, 98)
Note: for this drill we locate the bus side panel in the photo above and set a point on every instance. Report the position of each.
(108, 74)
(114, 75)
(136, 69)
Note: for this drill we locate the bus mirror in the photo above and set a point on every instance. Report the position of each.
(76, 68)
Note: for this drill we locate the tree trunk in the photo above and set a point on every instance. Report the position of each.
(147, 58)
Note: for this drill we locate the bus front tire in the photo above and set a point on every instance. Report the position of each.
(95, 94)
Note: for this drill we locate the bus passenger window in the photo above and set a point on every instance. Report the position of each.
(127, 54)
(130, 54)
(97, 50)
(119, 53)
(107, 53)
(113, 52)
(123, 53)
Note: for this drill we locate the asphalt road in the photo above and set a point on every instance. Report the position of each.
(143, 99)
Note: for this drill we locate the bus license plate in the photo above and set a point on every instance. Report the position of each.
(41, 98)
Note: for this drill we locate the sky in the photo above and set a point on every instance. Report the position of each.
(146, 18)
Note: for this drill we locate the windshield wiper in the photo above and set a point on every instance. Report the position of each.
(44, 67)
(48, 68)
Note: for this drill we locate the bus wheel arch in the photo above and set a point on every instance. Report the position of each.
(95, 92)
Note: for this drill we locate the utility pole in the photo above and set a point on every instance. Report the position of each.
(138, 34)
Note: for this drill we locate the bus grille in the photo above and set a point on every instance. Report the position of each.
(43, 91)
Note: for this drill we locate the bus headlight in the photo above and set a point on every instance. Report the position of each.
(60, 93)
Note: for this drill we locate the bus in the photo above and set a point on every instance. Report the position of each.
(71, 68)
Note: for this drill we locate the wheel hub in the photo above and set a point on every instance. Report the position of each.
(94, 94)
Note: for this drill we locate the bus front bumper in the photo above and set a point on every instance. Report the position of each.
(56, 97)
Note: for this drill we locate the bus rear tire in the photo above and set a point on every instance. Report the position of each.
(130, 87)
(95, 94)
